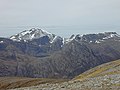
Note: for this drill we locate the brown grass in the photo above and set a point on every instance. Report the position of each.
(18, 82)
(99, 71)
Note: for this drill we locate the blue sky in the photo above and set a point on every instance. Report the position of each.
(62, 17)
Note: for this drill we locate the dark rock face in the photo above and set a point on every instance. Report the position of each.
(76, 58)
(42, 57)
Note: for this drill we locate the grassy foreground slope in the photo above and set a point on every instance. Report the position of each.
(110, 68)
(18, 82)
(103, 77)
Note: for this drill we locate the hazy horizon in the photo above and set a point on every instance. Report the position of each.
(64, 31)
(61, 17)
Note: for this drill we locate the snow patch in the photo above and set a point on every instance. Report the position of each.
(97, 41)
(1, 41)
(53, 39)
(111, 36)
(69, 39)
(91, 41)
(63, 41)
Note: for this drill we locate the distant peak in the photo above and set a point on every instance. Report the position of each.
(35, 30)
(105, 34)
(31, 34)
(110, 32)
(97, 38)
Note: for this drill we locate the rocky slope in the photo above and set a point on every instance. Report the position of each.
(17, 82)
(103, 77)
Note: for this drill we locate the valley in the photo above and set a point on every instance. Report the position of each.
(103, 77)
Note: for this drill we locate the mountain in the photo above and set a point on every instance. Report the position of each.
(37, 53)
(37, 42)
(31, 34)
(97, 38)
(102, 77)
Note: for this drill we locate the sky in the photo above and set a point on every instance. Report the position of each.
(61, 17)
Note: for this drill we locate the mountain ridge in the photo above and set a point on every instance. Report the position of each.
(63, 58)
(31, 34)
